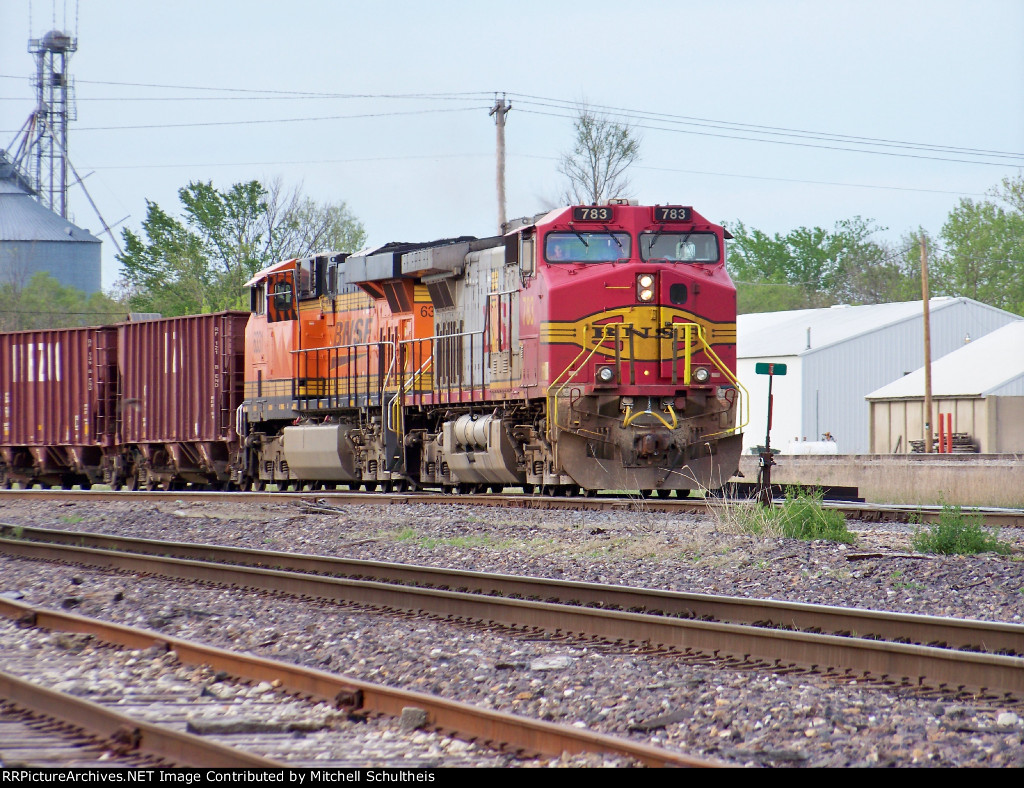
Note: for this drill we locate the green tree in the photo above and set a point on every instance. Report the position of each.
(200, 263)
(596, 166)
(45, 303)
(813, 267)
(982, 249)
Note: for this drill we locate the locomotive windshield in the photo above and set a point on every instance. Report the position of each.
(679, 247)
(586, 247)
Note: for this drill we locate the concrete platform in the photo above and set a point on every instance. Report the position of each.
(957, 479)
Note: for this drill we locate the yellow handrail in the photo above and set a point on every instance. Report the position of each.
(552, 413)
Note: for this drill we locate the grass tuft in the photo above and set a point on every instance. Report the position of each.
(958, 533)
(800, 516)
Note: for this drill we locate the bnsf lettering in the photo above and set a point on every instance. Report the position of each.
(616, 329)
(352, 332)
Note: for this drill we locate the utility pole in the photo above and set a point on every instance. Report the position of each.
(927, 350)
(499, 111)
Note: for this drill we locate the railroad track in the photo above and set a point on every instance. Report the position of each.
(946, 654)
(357, 699)
(867, 512)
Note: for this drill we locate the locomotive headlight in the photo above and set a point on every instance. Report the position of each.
(645, 287)
(605, 374)
(702, 374)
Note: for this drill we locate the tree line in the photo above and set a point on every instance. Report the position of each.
(979, 253)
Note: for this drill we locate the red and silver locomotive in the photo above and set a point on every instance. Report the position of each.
(589, 348)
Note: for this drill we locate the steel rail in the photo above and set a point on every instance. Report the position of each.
(917, 665)
(133, 735)
(965, 634)
(486, 726)
(868, 512)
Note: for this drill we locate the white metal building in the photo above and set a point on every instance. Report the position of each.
(836, 356)
(978, 387)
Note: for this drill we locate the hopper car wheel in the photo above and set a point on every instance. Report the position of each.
(589, 493)
(258, 485)
(682, 493)
(399, 486)
(570, 490)
(645, 493)
(528, 489)
(5, 481)
(149, 486)
(131, 483)
(662, 493)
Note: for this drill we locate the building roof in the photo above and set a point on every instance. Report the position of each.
(802, 331)
(979, 368)
(22, 218)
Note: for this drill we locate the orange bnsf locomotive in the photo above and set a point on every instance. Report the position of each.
(589, 348)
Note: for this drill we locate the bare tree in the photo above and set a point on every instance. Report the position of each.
(601, 153)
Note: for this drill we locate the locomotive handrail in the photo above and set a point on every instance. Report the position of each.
(394, 405)
(381, 379)
(724, 369)
(552, 409)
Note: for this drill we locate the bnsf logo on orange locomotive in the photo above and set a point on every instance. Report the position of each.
(353, 332)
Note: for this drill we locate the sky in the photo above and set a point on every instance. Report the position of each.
(779, 114)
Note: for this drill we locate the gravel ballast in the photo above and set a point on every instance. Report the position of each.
(741, 717)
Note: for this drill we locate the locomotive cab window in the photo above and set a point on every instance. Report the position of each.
(679, 247)
(585, 247)
(283, 296)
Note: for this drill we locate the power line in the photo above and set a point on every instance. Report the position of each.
(573, 107)
(213, 123)
(776, 130)
(797, 144)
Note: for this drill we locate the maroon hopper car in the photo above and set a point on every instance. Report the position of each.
(181, 385)
(59, 408)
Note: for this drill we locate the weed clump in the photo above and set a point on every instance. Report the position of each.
(957, 533)
(800, 516)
